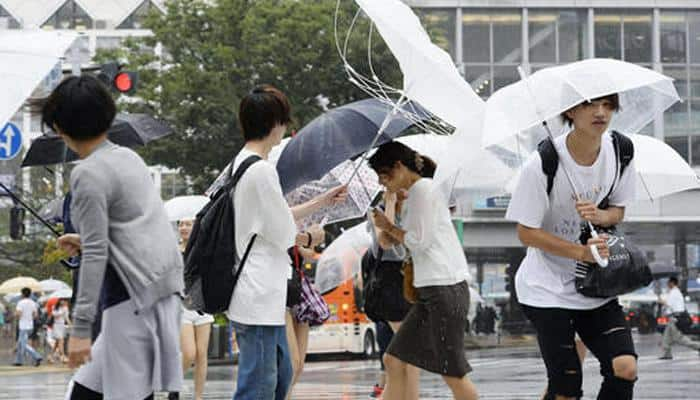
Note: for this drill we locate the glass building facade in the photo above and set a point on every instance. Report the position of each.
(488, 43)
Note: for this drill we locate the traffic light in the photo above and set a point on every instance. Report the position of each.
(16, 223)
(112, 75)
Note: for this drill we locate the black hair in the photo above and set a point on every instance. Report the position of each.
(387, 155)
(26, 292)
(673, 280)
(612, 98)
(261, 110)
(81, 107)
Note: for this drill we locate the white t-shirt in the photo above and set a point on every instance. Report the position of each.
(261, 292)
(438, 257)
(674, 301)
(27, 308)
(545, 280)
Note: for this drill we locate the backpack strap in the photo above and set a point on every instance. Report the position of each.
(242, 169)
(624, 153)
(550, 161)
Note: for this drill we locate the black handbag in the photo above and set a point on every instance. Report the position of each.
(627, 269)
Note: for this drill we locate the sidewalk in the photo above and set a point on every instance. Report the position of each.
(475, 342)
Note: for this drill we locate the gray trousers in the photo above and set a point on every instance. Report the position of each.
(673, 335)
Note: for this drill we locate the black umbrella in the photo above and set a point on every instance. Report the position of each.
(338, 135)
(129, 130)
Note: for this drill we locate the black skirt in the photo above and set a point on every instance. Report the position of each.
(431, 336)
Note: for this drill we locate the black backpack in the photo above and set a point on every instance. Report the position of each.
(624, 153)
(212, 265)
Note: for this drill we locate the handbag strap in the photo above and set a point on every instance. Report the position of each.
(297, 262)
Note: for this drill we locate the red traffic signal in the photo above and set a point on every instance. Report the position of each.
(112, 76)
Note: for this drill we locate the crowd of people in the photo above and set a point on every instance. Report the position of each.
(132, 268)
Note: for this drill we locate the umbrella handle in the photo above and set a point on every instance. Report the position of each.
(603, 262)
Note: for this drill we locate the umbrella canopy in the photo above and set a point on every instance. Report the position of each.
(361, 191)
(52, 285)
(15, 285)
(518, 110)
(185, 207)
(430, 77)
(62, 294)
(26, 58)
(662, 171)
(341, 260)
(129, 130)
(336, 136)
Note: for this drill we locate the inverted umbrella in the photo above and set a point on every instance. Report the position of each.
(129, 130)
(15, 285)
(341, 260)
(336, 136)
(184, 207)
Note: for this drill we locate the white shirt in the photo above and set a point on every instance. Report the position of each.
(27, 307)
(59, 315)
(674, 301)
(261, 292)
(438, 257)
(545, 280)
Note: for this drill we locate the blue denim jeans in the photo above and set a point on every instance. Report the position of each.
(23, 345)
(264, 365)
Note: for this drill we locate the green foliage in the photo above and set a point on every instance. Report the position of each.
(215, 52)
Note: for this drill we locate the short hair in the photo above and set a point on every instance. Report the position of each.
(261, 110)
(26, 292)
(81, 107)
(387, 155)
(673, 280)
(613, 98)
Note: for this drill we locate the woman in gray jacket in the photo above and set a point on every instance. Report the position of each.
(130, 261)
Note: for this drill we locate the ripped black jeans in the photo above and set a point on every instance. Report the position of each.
(605, 333)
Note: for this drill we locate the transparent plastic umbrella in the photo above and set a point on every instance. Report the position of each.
(184, 207)
(52, 285)
(517, 111)
(341, 260)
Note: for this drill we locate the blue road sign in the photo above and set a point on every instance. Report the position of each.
(10, 141)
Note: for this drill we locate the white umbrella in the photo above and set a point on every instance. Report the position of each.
(341, 260)
(26, 58)
(184, 207)
(16, 284)
(429, 74)
(62, 294)
(518, 110)
(52, 285)
(662, 171)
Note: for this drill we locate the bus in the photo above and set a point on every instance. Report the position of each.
(348, 330)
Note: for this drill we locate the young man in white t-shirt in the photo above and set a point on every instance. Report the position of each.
(257, 308)
(26, 312)
(549, 225)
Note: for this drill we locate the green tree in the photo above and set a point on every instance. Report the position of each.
(215, 52)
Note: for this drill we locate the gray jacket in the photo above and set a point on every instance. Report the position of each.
(121, 221)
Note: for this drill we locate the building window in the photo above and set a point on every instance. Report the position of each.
(623, 35)
(69, 16)
(7, 21)
(138, 17)
(673, 37)
(440, 25)
(492, 47)
(556, 36)
(680, 144)
(695, 150)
